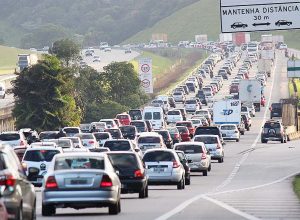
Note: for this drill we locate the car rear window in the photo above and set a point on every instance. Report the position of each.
(207, 130)
(174, 113)
(182, 129)
(164, 134)
(101, 136)
(191, 102)
(9, 137)
(48, 135)
(187, 124)
(146, 140)
(127, 129)
(177, 93)
(272, 125)
(117, 145)
(158, 156)
(71, 130)
(148, 115)
(78, 162)
(206, 140)
(2, 162)
(123, 161)
(156, 116)
(86, 136)
(228, 127)
(190, 149)
(244, 109)
(276, 106)
(40, 155)
(122, 117)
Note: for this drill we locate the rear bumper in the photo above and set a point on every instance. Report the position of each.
(133, 186)
(165, 180)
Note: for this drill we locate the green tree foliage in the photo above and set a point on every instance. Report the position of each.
(44, 98)
(66, 50)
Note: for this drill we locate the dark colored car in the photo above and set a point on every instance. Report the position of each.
(186, 89)
(172, 102)
(175, 135)
(101, 136)
(214, 130)
(189, 125)
(202, 97)
(238, 25)
(30, 135)
(129, 132)
(140, 125)
(234, 88)
(166, 137)
(115, 133)
(185, 164)
(283, 22)
(273, 131)
(131, 172)
(17, 192)
(184, 133)
(183, 112)
(135, 114)
(276, 110)
(191, 86)
(48, 135)
(246, 122)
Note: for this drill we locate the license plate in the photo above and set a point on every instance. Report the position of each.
(78, 182)
(39, 180)
(158, 170)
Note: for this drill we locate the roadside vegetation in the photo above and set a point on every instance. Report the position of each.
(292, 85)
(296, 185)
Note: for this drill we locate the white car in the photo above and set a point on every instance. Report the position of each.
(14, 138)
(39, 157)
(107, 49)
(89, 141)
(66, 144)
(196, 122)
(174, 116)
(76, 141)
(101, 137)
(204, 113)
(150, 140)
(191, 105)
(179, 96)
(230, 132)
(110, 123)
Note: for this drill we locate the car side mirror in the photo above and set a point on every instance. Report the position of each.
(117, 172)
(24, 167)
(137, 150)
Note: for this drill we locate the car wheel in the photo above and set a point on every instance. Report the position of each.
(48, 210)
(188, 180)
(204, 173)
(243, 133)
(180, 184)
(209, 168)
(147, 191)
(142, 193)
(19, 213)
(248, 129)
(33, 214)
(263, 141)
(282, 140)
(237, 140)
(220, 160)
(113, 209)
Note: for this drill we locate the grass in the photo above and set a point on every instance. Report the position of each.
(9, 58)
(202, 17)
(296, 185)
(160, 64)
(291, 87)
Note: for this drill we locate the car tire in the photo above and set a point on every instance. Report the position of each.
(220, 160)
(209, 168)
(248, 129)
(143, 193)
(19, 213)
(180, 184)
(188, 180)
(263, 141)
(33, 214)
(243, 133)
(204, 173)
(48, 210)
(282, 140)
(237, 140)
(114, 209)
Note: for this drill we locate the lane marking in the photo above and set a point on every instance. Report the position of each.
(230, 208)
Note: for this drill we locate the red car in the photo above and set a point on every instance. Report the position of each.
(263, 101)
(124, 119)
(187, 124)
(184, 133)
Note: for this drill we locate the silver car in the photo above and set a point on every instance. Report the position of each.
(80, 181)
(89, 140)
(163, 167)
(198, 156)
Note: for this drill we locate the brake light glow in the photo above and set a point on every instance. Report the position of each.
(203, 156)
(51, 183)
(138, 174)
(175, 164)
(91, 142)
(7, 181)
(106, 181)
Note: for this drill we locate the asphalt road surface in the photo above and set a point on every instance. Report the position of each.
(254, 182)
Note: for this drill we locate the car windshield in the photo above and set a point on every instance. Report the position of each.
(117, 145)
(174, 113)
(148, 140)
(158, 156)
(40, 155)
(101, 136)
(272, 125)
(191, 102)
(206, 139)
(9, 137)
(123, 161)
(190, 149)
(79, 162)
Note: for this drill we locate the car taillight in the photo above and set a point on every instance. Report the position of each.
(22, 143)
(175, 164)
(106, 181)
(203, 156)
(218, 146)
(91, 142)
(51, 183)
(138, 174)
(176, 136)
(7, 180)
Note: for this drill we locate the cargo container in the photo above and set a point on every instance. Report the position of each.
(267, 54)
(240, 38)
(26, 60)
(225, 37)
(201, 38)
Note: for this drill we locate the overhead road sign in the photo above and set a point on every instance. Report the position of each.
(259, 15)
(293, 69)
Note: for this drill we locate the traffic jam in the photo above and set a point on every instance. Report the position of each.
(163, 143)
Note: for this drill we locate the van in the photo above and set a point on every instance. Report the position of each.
(155, 115)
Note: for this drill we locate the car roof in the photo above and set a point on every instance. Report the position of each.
(83, 154)
(148, 134)
(190, 143)
(207, 135)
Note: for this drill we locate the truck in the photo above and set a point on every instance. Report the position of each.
(240, 38)
(267, 54)
(250, 91)
(252, 48)
(201, 38)
(225, 37)
(266, 38)
(227, 111)
(26, 60)
(265, 66)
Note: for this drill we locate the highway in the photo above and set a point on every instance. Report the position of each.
(254, 182)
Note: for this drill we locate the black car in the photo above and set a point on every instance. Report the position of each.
(172, 102)
(131, 172)
(238, 25)
(283, 22)
(273, 131)
(135, 114)
(115, 133)
(185, 164)
(140, 125)
(166, 137)
(191, 86)
(276, 110)
(214, 130)
(17, 192)
(202, 97)
(129, 131)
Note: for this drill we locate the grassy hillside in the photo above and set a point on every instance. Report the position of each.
(8, 58)
(201, 17)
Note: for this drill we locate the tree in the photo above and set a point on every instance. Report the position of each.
(43, 98)
(66, 50)
(121, 81)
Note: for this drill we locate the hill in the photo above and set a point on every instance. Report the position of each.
(201, 17)
(35, 23)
